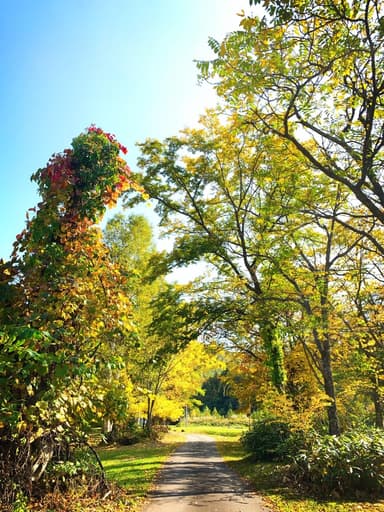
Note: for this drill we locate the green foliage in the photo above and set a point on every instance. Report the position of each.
(80, 466)
(217, 394)
(274, 348)
(270, 480)
(270, 439)
(20, 503)
(351, 464)
(310, 72)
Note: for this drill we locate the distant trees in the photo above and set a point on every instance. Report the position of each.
(217, 396)
(169, 366)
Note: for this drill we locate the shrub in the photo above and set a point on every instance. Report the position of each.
(351, 464)
(81, 466)
(269, 439)
(125, 434)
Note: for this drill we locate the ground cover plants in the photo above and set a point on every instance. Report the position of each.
(271, 479)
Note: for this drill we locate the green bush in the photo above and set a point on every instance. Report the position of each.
(351, 464)
(126, 433)
(269, 439)
(80, 466)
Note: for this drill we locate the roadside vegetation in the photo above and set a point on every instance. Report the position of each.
(135, 467)
(269, 478)
(130, 471)
(272, 478)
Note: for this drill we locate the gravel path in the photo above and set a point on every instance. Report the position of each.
(195, 478)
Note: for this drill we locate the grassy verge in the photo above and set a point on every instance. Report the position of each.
(268, 478)
(135, 467)
(217, 431)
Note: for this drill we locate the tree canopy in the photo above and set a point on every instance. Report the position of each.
(279, 190)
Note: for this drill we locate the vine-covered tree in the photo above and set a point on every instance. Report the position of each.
(63, 306)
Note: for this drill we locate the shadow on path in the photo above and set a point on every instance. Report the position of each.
(196, 478)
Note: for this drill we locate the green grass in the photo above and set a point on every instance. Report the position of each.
(213, 430)
(135, 467)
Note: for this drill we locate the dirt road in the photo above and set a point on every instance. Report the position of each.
(195, 478)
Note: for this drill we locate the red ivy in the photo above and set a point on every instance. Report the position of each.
(110, 137)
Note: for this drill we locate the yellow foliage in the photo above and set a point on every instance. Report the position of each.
(176, 382)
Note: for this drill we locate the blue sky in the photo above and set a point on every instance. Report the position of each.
(125, 65)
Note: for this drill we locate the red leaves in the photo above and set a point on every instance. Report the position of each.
(109, 136)
(59, 173)
(78, 184)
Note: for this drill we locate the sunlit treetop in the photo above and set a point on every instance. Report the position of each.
(77, 186)
(87, 178)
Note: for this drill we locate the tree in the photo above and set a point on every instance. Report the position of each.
(64, 304)
(177, 379)
(312, 75)
(162, 319)
(316, 260)
(218, 395)
(209, 186)
(362, 320)
(233, 195)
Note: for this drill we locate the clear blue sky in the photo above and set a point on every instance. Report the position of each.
(125, 65)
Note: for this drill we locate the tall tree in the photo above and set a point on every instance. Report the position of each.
(312, 74)
(215, 192)
(233, 196)
(65, 303)
(162, 320)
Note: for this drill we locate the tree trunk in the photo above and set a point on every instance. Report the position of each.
(379, 406)
(329, 388)
(275, 353)
(150, 405)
